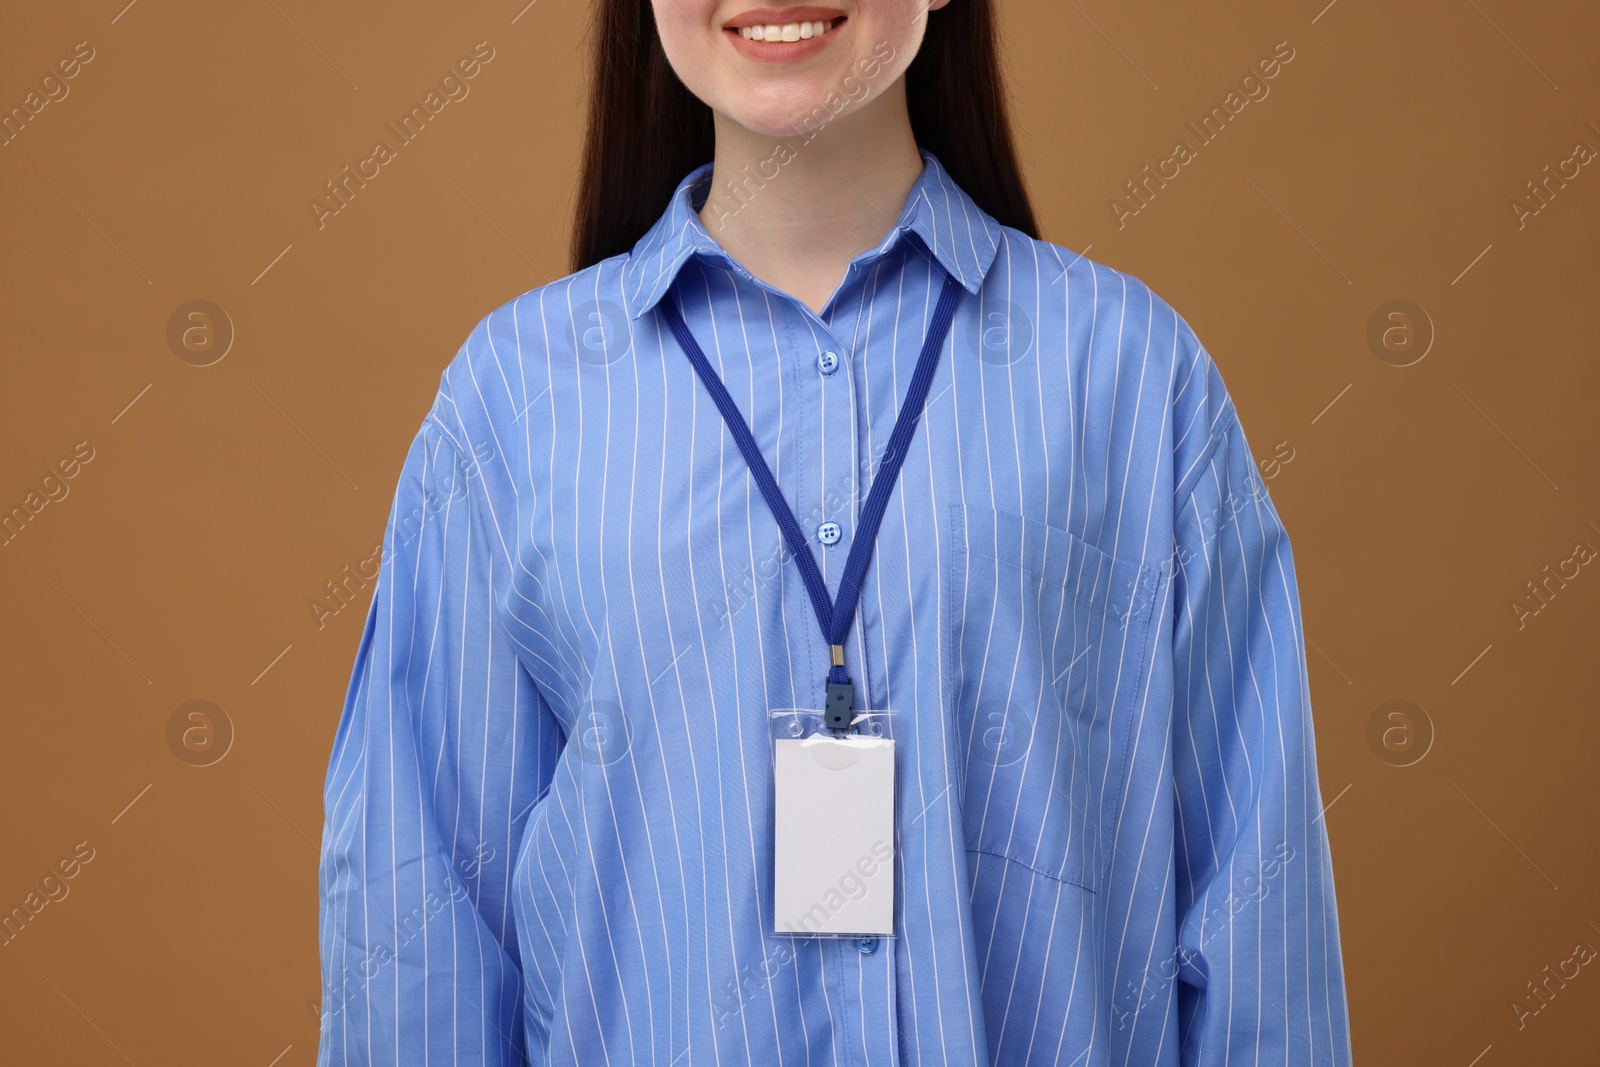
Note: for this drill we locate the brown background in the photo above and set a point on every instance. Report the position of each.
(1421, 499)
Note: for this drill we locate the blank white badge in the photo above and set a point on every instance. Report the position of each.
(833, 836)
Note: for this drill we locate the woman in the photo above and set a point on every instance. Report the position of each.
(623, 554)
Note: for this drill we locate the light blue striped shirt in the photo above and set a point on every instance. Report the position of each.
(548, 833)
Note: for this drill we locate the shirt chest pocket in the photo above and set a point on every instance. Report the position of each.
(1047, 637)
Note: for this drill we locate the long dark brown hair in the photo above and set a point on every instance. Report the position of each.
(646, 130)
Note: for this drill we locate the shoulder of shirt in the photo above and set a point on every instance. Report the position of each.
(516, 345)
(1200, 407)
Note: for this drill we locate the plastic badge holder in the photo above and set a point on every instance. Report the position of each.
(833, 827)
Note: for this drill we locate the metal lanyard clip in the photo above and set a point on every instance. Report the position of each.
(841, 695)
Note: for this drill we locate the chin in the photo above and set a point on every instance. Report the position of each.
(790, 113)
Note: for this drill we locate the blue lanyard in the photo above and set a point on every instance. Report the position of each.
(833, 616)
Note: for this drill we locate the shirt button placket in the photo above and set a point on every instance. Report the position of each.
(834, 505)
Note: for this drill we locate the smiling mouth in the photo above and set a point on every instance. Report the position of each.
(785, 32)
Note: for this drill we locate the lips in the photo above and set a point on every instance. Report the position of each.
(788, 34)
(780, 16)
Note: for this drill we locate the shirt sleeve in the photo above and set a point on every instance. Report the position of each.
(1260, 974)
(443, 746)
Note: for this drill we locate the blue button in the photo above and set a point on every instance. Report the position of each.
(867, 945)
(828, 533)
(828, 362)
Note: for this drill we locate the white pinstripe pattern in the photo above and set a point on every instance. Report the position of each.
(548, 802)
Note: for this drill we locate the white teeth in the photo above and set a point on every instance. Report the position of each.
(789, 31)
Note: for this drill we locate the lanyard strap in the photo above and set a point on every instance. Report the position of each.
(833, 616)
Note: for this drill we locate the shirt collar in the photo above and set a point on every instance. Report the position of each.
(954, 229)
